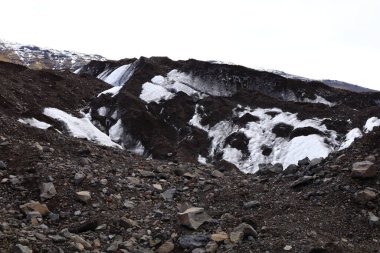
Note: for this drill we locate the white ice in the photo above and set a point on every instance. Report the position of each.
(116, 77)
(113, 91)
(319, 100)
(154, 93)
(165, 88)
(260, 133)
(80, 127)
(102, 111)
(350, 138)
(117, 133)
(371, 124)
(34, 123)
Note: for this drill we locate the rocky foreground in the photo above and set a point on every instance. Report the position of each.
(60, 194)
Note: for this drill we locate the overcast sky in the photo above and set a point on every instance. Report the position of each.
(335, 39)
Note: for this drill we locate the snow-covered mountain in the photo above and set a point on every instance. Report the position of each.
(42, 58)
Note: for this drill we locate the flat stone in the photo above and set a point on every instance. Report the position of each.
(365, 169)
(128, 223)
(371, 158)
(193, 241)
(79, 177)
(193, 217)
(134, 180)
(19, 248)
(198, 250)
(47, 191)
(189, 175)
(303, 162)
(145, 173)
(217, 174)
(251, 204)
(373, 219)
(3, 165)
(128, 204)
(219, 237)
(166, 247)
(241, 231)
(316, 161)
(168, 195)
(157, 187)
(35, 206)
(302, 181)
(364, 196)
(84, 196)
(236, 236)
(78, 239)
(211, 247)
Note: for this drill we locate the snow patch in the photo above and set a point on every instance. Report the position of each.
(80, 127)
(350, 138)
(202, 160)
(102, 111)
(116, 131)
(165, 88)
(118, 134)
(260, 133)
(311, 146)
(154, 93)
(117, 77)
(34, 123)
(319, 100)
(371, 124)
(113, 91)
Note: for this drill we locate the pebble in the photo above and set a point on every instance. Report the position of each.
(217, 174)
(219, 237)
(47, 191)
(193, 217)
(168, 195)
(252, 204)
(19, 248)
(84, 196)
(364, 169)
(166, 247)
(157, 187)
(3, 166)
(193, 241)
(373, 219)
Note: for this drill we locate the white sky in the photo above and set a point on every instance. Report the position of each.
(335, 39)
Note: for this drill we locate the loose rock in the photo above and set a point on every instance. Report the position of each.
(166, 247)
(365, 169)
(84, 196)
(193, 217)
(193, 241)
(47, 191)
(364, 196)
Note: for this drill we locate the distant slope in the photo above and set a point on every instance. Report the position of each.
(332, 83)
(41, 58)
(346, 86)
